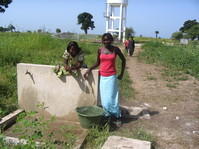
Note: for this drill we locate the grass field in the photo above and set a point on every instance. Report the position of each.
(176, 57)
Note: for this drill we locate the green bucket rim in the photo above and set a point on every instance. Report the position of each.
(84, 115)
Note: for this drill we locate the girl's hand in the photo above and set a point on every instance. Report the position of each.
(67, 68)
(119, 77)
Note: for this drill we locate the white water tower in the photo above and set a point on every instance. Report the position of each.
(116, 11)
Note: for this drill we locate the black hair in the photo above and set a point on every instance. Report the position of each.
(107, 35)
(73, 44)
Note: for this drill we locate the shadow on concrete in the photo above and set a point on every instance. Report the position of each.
(83, 84)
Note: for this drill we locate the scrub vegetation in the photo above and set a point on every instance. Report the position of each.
(178, 58)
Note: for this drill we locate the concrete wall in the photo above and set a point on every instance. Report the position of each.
(39, 89)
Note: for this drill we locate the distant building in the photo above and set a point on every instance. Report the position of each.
(184, 41)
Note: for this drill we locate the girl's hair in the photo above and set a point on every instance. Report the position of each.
(73, 44)
(107, 35)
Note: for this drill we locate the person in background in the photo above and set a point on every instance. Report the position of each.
(126, 44)
(106, 60)
(130, 46)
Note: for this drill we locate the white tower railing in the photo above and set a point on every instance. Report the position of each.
(116, 19)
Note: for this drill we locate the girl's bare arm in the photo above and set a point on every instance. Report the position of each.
(121, 56)
(94, 66)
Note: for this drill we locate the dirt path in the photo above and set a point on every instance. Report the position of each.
(174, 102)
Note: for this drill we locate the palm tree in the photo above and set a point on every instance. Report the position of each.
(156, 34)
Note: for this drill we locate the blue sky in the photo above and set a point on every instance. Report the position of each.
(144, 16)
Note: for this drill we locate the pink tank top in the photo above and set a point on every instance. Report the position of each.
(107, 64)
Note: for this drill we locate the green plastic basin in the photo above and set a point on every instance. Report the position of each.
(90, 116)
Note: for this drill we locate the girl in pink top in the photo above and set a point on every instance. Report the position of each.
(106, 60)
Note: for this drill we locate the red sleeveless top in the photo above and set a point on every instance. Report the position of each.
(107, 63)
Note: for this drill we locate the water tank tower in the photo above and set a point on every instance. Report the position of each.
(116, 17)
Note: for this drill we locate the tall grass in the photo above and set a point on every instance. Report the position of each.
(22, 47)
(178, 57)
(29, 47)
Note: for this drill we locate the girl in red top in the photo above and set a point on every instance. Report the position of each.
(106, 60)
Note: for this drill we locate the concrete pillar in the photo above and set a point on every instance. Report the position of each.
(107, 15)
(120, 21)
(112, 20)
(124, 23)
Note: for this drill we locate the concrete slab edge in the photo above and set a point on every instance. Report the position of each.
(9, 119)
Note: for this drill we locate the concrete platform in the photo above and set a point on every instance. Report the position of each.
(117, 142)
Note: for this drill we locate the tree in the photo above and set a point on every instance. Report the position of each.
(2, 29)
(193, 32)
(86, 20)
(187, 25)
(129, 32)
(156, 34)
(190, 29)
(58, 30)
(4, 4)
(177, 35)
(11, 27)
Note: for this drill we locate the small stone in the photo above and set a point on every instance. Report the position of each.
(147, 105)
(146, 116)
(187, 133)
(177, 117)
(164, 108)
(135, 110)
(188, 124)
(195, 132)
